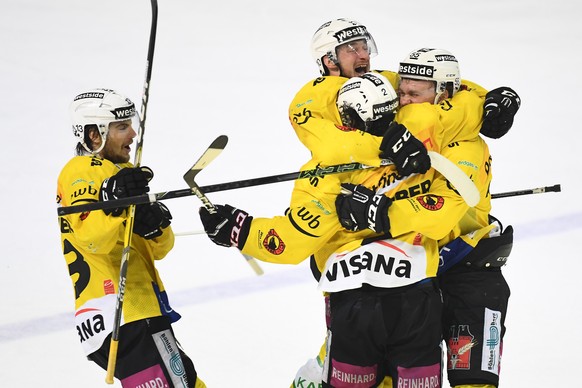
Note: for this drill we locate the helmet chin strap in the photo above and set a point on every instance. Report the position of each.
(95, 152)
(103, 136)
(440, 96)
(335, 63)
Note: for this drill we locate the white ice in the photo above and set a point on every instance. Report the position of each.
(232, 67)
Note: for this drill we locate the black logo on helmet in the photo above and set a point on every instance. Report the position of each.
(89, 95)
(372, 78)
(384, 108)
(351, 86)
(352, 33)
(412, 69)
(123, 113)
(445, 58)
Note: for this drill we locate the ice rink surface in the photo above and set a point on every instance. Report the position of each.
(229, 67)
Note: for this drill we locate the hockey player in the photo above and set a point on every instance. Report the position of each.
(92, 242)
(334, 47)
(358, 351)
(474, 291)
(308, 229)
(342, 48)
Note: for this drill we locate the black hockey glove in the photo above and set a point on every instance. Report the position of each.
(500, 106)
(378, 127)
(128, 182)
(406, 151)
(362, 208)
(150, 219)
(228, 226)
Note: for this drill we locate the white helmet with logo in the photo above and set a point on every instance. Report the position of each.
(98, 107)
(433, 65)
(335, 33)
(365, 99)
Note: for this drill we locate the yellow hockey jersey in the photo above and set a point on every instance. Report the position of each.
(92, 244)
(315, 118)
(426, 208)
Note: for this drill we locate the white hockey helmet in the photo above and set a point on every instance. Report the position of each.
(435, 65)
(335, 33)
(98, 107)
(370, 97)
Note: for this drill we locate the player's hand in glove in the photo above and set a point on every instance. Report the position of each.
(500, 106)
(150, 219)
(379, 126)
(228, 226)
(407, 152)
(128, 182)
(359, 208)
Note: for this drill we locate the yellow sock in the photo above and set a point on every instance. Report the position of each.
(386, 383)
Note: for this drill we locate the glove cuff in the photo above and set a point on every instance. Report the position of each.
(240, 231)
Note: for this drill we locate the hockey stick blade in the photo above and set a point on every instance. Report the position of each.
(209, 155)
(462, 183)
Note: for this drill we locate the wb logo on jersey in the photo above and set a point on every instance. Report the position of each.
(303, 220)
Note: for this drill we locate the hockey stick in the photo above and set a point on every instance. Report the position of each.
(460, 181)
(150, 198)
(208, 156)
(539, 190)
(112, 359)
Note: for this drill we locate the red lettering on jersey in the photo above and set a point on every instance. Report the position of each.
(428, 144)
(417, 239)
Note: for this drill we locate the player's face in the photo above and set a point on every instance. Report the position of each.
(412, 91)
(119, 138)
(354, 58)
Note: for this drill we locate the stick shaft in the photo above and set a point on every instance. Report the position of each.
(141, 199)
(539, 190)
(148, 198)
(112, 360)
